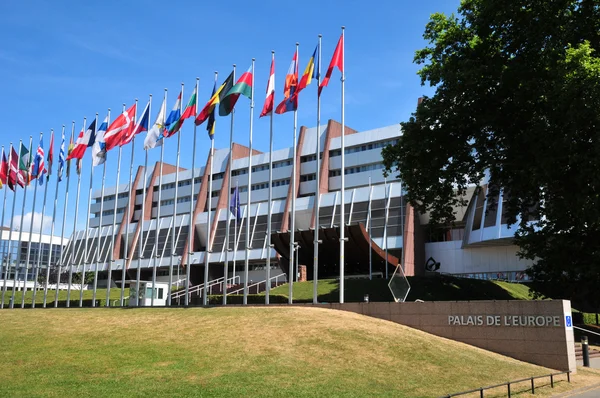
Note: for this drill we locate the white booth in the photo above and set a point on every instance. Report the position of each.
(147, 290)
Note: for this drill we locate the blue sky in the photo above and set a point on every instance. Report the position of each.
(61, 61)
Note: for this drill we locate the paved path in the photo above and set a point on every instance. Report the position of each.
(588, 392)
(594, 364)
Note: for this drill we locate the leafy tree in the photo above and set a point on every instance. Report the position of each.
(517, 95)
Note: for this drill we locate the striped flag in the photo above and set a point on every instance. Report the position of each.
(38, 170)
(69, 151)
(119, 128)
(61, 157)
(290, 100)
(141, 125)
(99, 149)
(270, 99)
(172, 123)
(51, 154)
(85, 140)
(24, 165)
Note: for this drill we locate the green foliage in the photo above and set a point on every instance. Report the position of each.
(517, 95)
(217, 299)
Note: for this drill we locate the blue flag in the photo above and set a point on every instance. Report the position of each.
(39, 168)
(234, 206)
(61, 158)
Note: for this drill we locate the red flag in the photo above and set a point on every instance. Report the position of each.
(270, 100)
(51, 153)
(119, 128)
(3, 168)
(290, 100)
(336, 60)
(15, 177)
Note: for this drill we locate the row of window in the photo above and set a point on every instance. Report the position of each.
(308, 177)
(356, 169)
(168, 202)
(262, 185)
(362, 148)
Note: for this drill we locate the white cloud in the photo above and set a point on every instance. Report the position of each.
(45, 221)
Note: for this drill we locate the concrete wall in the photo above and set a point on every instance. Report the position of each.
(551, 345)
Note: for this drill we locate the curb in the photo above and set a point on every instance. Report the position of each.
(574, 393)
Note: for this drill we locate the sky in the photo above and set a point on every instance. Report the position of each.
(63, 61)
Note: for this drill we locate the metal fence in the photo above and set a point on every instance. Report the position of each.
(481, 390)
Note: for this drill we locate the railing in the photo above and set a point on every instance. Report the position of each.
(257, 284)
(585, 330)
(508, 384)
(199, 288)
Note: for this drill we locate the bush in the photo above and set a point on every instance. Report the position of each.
(252, 299)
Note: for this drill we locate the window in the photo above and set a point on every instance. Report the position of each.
(335, 173)
(123, 195)
(308, 177)
(167, 202)
(170, 185)
(198, 180)
(280, 183)
(185, 199)
(121, 210)
(362, 148)
(218, 176)
(184, 183)
(214, 194)
(240, 172)
(308, 158)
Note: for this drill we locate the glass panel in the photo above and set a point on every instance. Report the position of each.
(399, 285)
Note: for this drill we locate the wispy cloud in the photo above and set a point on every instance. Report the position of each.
(40, 222)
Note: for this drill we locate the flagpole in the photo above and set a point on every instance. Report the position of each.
(6, 269)
(342, 206)
(249, 196)
(385, 230)
(236, 239)
(99, 244)
(228, 227)
(316, 240)
(115, 207)
(17, 266)
(370, 223)
(68, 175)
(87, 221)
(173, 245)
(192, 227)
(156, 255)
(208, 248)
(268, 276)
(293, 223)
(30, 233)
(62, 235)
(141, 236)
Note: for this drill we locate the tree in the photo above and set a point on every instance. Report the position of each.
(517, 94)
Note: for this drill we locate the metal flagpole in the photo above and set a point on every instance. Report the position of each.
(30, 234)
(228, 227)
(68, 175)
(39, 257)
(62, 233)
(12, 219)
(402, 225)
(342, 204)
(192, 226)
(99, 244)
(248, 201)
(5, 267)
(208, 248)
(115, 208)
(269, 212)
(173, 242)
(87, 223)
(370, 223)
(160, 177)
(18, 264)
(316, 240)
(385, 230)
(293, 223)
(141, 237)
(236, 239)
(132, 191)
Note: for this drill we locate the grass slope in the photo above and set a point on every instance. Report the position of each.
(115, 294)
(439, 288)
(225, 352)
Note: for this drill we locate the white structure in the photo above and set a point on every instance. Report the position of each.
(147, 290)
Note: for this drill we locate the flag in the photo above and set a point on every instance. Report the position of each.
(99, 148)
(119, 128)
(336, 60)
(51, 154)
(85, 140)
(210, 126)
(234, 205)
(140, 125)
(69, 151)
(311, 71)
(290, 101)
(14, 176)
(25, 163)
(38, 170)
(270, 99)
(171, 124)
(155, 133)
(190, 109)
(4, 169)
(214, 100)
(243, 86)
(61, 157)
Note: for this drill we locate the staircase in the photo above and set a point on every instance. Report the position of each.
(579, 352)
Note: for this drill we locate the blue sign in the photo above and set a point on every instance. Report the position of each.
(568, 321)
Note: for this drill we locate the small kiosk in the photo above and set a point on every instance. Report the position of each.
(147, 290)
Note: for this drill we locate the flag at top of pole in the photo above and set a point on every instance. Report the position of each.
(290, 101)
(311, 71)
(243, 86)
(336, 60)
(15, 177)
(173, 118)
(119, 128)
(210, 125)
(99, 148)
(61, 157)
(214, 100)
(190, 110)
(25, 164)
(39, 169)
(140, 125)
(85, 140)
(270, 99)
(50, 154)
(4, 169)
(153, 138)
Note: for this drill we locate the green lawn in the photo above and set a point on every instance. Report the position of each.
(236, 352)
(439, 288)
(115, 294)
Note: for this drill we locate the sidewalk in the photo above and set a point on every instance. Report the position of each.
(594, 364)
(586, 392)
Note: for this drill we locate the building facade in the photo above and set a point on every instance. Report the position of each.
(382, 230)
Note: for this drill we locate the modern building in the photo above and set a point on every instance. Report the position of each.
(381, 228)
(13, 243)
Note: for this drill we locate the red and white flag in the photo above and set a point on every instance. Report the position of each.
(270, 99)
(50, 153)
(119, 128)
(336, 61)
